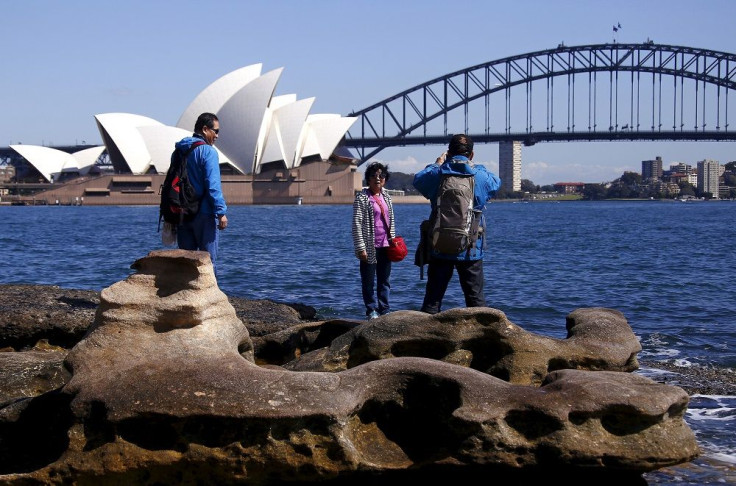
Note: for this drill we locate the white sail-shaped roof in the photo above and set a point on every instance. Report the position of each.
(214, 96)
(86, 158)
(241, 119)
(287, 123)
(322, 133)
(122, 130)
(255, 127)
(160, 143)
(265, 131)
(281, 100)
(267, 128)
(49, 162)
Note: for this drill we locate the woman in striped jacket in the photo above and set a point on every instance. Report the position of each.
(373, 227)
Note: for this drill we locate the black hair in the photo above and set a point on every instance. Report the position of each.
(205, 120)
(460, 145)
(375, 167)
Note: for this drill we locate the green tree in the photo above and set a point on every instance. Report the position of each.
(504, 193)
(594, 192)
(528, 186)
(731, 166)
(619, 191)
(729, 179)
(548, 188)
(403, 182)
(686, 189)
(631, 178)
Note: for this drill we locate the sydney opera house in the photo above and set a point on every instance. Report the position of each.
(272, 150)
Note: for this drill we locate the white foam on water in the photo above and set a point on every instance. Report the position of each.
(655, 340)
(683, 362)
(727, 458)
(718, 398)
(653, 372)
(724, 414)
(711, 418)
(712, 407)
(660, 353)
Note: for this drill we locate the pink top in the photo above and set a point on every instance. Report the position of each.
(381, 230)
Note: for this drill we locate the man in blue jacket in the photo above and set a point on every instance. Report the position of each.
(469, 263)
(203, 165)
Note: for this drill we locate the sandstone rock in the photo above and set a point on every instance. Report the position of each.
(30, 313)
(484, 339)
(31, 316)
(161, 393)
(30, 373)
(283, 346)
(263, 317)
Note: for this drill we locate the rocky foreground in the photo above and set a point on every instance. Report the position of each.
(162, 379)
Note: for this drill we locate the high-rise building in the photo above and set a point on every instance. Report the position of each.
(509, 165)
(681, 168)
(708, 176)
(651, 169)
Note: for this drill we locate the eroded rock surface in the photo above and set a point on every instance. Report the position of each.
(484, 339)
(30, 373)
(280, 347)
(40, 323)
(162, 392)
(31, 313)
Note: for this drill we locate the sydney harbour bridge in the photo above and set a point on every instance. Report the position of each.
(602, 92)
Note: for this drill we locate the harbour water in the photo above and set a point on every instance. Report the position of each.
(668, 266)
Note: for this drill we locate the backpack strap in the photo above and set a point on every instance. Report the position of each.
(192, 147)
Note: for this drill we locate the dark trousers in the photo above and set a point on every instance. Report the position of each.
(439, 273)
(380, 273)
(200, 234)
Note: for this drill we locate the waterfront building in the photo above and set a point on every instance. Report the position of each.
(724, 191)
(569, 187)
(708, 174)
(651, 169)
(318, 182)
(669, 189)
(509, 165)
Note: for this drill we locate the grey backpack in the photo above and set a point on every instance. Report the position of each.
(454, 226)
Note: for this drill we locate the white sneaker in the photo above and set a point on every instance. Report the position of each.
(373, 315)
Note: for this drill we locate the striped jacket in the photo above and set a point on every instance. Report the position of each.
(364, 226)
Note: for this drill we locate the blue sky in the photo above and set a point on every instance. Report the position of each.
(67, 61)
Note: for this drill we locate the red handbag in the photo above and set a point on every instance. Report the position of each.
(397, 249)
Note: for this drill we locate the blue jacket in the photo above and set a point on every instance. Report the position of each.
(427, 182)
(203, 165)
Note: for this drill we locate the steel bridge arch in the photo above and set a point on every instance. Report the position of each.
(383, 124)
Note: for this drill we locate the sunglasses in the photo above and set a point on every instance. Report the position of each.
(216, 130)
(379, 175)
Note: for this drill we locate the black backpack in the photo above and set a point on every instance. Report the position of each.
(179, 202)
